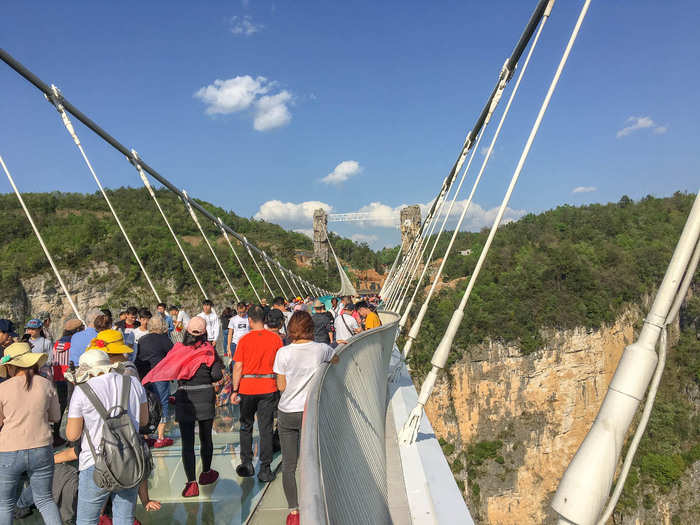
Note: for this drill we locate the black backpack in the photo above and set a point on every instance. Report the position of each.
(124, 459)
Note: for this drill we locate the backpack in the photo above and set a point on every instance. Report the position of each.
(124, 459)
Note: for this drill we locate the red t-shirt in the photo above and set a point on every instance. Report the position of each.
(257, 351)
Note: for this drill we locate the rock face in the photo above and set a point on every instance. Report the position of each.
(540, 406)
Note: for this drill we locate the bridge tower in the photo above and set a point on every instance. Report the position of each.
(320, 236)
(410, 225)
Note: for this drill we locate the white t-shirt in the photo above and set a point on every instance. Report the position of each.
(138, 334)
(108, 388)
(298, 363)
(183, 318)
(213, 324)
(240, 327)
(341, 331)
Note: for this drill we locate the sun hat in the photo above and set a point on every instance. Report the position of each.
(92, 363)
(110, 341)
(197, 326)
(34, 323)
(20, 354)
(72, 324)
(319, 304)
(7, 327)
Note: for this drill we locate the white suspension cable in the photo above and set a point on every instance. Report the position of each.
(186, 200)
(41, 242)
(391, 270)
(69, 126)
(653, 388)
(410, 430)
(346, 286)
(417, 323)
(250, 253)
(267, 261)
(147, 184)
(284, 276)
(223, 230)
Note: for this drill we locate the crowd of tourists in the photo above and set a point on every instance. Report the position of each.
(121, 380)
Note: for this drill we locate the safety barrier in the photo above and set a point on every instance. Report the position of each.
(343, 464)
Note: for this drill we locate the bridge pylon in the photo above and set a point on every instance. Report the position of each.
(321, 252)
(410, 225)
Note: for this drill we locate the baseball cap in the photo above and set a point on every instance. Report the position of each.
(8, 327)
(34, 323)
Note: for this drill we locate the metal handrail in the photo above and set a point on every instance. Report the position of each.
(319, 469)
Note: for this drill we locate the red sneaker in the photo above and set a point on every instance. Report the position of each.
(171, 400)
(105, 520)
(293, 518)
(207, 478)
(160, 443)
(191, 490)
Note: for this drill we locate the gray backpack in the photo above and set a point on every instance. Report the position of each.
(124, 459)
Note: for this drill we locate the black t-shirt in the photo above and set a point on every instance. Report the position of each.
(323, 323)
(152, 349)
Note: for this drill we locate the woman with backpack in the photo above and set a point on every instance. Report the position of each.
(97, 382)
(28, 404)
(196, 366)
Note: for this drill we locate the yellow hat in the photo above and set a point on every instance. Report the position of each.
(20, 354)
(110, 341)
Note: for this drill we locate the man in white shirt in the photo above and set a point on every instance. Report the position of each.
(345, 325)
(278, 304)
(238, 326)
(213, 325)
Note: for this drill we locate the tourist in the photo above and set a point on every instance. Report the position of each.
(369, 318)
(226, 316)
(142, 329)
(84, 421)
(37, 341)
(238, 326)
(274, 322)
(153, 348)
(45, 318)
(196, 366)
(323, 324)
(161, 309)
(255, 389)
(112, 343)
(213, 326)
(7, 334)
(345, 324)
(60, 364)
(129, 325)
(335, 308)
(295, 365)
(279, 304)
(28, 404)
(180, 320)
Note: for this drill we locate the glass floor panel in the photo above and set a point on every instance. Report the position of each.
(230, 501)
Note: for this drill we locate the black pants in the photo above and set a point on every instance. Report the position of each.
(62, 391)
(206, 446)
(264, 406)
(289, 424)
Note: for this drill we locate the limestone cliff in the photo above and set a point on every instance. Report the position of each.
(530, 413)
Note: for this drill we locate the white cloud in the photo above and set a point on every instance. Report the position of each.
(240, 93)
(583, 189)
(342, 172)
(244, 25)
(637, 123)
(361, 237)
(290, 213)
(271, 111)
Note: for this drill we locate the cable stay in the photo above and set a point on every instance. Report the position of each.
(134, 159)
(235, 254)
(284, 275)
(187, 201)
(346, 286)
(55, 99)
(410, 429)
(41, 242)
(267, 261)
(250, 253)
(415, 327)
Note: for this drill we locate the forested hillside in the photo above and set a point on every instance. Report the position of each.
(80, 231)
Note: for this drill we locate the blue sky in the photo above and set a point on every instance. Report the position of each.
(375, 97)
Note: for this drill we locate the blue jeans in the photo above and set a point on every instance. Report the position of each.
(91, 499)
(162, 390)
(38, 464)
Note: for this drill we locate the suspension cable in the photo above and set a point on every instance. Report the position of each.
(250, 253)
(279, 284)
(186, 200)
(134, 159)
(415, 327)
(250, 282)
(41, 241)
(409, 431)
(55, 100)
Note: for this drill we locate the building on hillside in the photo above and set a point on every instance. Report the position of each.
(369, 281)
(303, 257)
